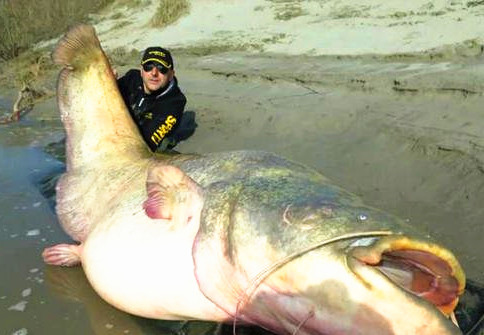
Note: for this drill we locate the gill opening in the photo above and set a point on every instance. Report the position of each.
(261, 276)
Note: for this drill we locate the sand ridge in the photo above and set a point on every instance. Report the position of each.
(313, 27)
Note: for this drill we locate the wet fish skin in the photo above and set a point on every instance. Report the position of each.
(268, 209)
(245, 236)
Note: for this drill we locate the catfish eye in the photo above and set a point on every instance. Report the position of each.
(362, 217)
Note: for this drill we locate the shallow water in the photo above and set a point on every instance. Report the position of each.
(27, 225)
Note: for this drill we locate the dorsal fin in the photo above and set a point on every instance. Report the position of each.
(95, 117)
(172, 195)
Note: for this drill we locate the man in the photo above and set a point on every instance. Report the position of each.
(155, 101)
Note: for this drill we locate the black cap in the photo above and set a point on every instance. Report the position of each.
(159, 55)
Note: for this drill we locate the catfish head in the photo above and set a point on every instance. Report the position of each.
(298, 255)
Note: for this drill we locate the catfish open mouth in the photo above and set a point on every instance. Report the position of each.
(421, 268)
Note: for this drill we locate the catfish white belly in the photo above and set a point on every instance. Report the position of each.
(146, 268)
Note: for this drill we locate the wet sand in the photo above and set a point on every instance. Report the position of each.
(403, 134)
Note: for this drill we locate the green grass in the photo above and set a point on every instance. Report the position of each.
(120, 24)
(346, 12)
(26, 22)
(169, 11)
(475, 3)
(117, 16)
(285, 10)
(133, 3)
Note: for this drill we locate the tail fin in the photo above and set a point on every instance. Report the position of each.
(96, 120)
(78, 48)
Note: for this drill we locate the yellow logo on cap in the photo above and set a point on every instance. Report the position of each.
(158, 53)
(161, 61)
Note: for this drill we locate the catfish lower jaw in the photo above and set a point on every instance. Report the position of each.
(424, 269)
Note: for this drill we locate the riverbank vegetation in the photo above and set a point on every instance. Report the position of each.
(169, 11)
(24, 22)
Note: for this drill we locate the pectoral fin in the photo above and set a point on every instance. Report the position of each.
(62, 255)
(172, 195)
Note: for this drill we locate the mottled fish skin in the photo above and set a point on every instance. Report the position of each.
(242, 236)
(261, 210)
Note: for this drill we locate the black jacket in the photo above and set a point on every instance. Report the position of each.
(156, 114)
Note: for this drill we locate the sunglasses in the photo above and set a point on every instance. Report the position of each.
(149, 66)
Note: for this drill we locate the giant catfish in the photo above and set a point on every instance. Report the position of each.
(243, 236)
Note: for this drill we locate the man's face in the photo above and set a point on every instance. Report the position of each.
(153, 78)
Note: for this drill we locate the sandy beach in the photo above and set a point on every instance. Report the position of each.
(384, 98)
